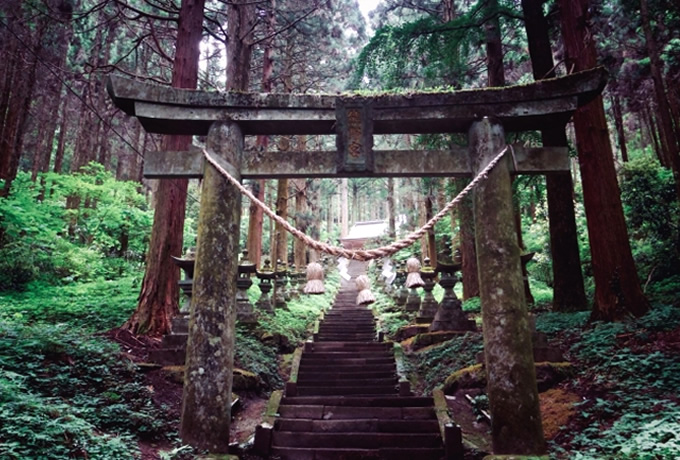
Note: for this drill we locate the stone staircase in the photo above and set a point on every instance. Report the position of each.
(344, 402)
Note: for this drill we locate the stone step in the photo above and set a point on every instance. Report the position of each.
(340, 381)
(349, 346)
(367, 425)
(310, 390)
(369, 374)
(296, 453)
(356, 440)
(387, 354)
(348, 324)
(344, 412)
(321, 368)
(349, 338)
(168, 356)
(175, 340)
(332, 362)
(377, 401)
(349, 317)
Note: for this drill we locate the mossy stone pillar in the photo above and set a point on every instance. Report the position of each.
(513, 397)
(206, 401)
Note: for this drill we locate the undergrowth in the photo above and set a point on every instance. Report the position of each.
(65, 393)
(629, 379)
(433, 364)
(97, 305)
(297, 320)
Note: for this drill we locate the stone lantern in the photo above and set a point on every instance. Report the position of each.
(450, 315)
(187, 264)
(245, 313)
(428, 305)
(400, 289)
(266, 275)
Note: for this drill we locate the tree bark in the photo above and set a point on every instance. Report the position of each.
(159, 294)
(617, 287)
(344, 207)
(618, 122)
(239, 49)
(19, 105)
(61, 141)
(281, 245)
(255, 224)
(391, 218)
(568, 289)
(650, 124)
(300, 249)
(431, 245)
(494, 46)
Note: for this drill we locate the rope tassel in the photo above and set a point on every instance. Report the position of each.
(413, 279)
(365, 296)
(314, 279)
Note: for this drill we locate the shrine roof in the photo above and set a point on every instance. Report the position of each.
(532, 106)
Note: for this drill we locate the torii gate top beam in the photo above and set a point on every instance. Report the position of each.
(528, 107)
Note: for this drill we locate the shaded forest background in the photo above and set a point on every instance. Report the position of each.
(77, 217)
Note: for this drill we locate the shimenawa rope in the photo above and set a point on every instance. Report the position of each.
(363, 254)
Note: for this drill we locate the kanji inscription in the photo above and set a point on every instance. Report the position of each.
(354, 128)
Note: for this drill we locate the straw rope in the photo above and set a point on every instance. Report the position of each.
(361, 254)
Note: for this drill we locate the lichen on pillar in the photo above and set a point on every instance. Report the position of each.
(206, 401)
(513, 397)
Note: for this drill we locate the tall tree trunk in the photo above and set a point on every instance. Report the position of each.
(391, 222)
(254, 241)
(431, 245)
(314, 201)
(17, 114)
(568, 289)
(301, 223)
(494, 46)
(618, 122)
(239, 47)
(669, 140)
(344, 207)
(650, 124)
(256, 215)
(7, 82)
(159, 294)
(281, 245)
(617, 287)
(61, 141)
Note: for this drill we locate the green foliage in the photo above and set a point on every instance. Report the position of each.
(298, 320)
(631, 411)
(434, 364)
(254, 356)
(553, 322)
(99, 305)
(652, 213)
(399, 56)
(472, 305)
(543, 294)
(79, 227)
(65, 393)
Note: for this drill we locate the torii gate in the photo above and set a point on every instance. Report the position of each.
(485, 114)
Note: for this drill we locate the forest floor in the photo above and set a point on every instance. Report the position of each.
(166, 389)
